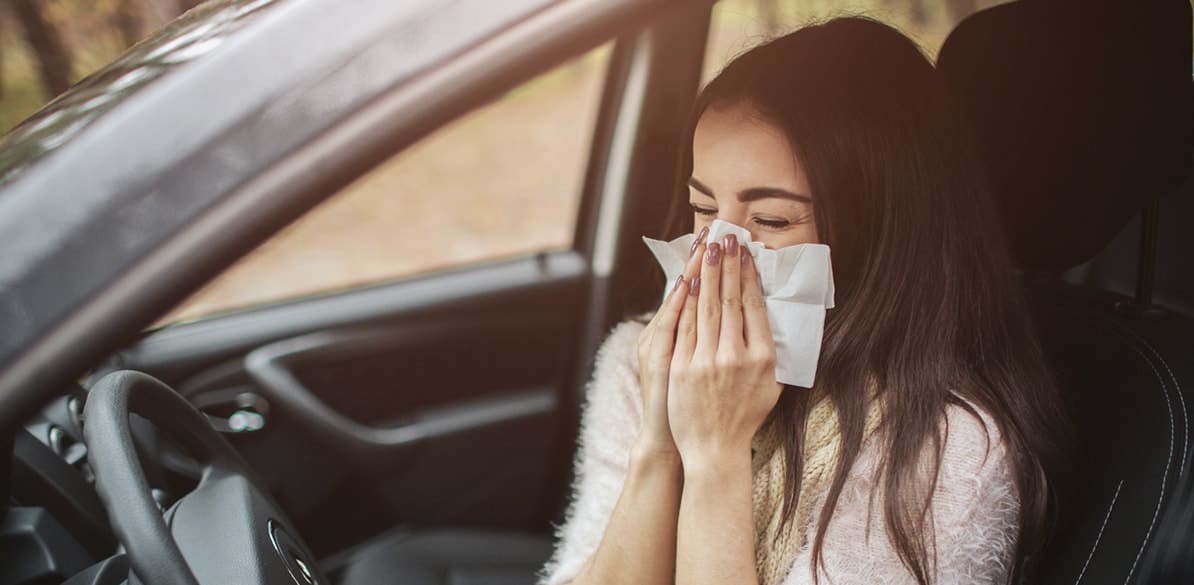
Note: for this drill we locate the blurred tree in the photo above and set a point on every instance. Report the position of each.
(960, 9)
(915, 9)
(128, 20)
(769, 14)
(158, 12)
(3, 36)
(53, 60)
(917, 12)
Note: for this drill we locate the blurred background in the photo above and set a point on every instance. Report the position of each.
(462, 195)
(47, 45)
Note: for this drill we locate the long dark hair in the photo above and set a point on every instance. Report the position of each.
(927, 299)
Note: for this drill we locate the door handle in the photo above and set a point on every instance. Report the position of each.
(268, 367)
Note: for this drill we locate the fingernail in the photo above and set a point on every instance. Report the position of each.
(731, 245)
(696, 286)
(699, 239)
(714, 254)
(679, 282)
(745, 257)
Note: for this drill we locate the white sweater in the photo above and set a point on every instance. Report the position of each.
(975, 505)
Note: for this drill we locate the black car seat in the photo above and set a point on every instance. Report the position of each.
(1082, 112)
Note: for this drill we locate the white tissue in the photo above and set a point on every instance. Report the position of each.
(797, 288)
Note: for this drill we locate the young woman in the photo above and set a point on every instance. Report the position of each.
(919, 455)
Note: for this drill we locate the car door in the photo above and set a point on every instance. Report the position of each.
(411, 352)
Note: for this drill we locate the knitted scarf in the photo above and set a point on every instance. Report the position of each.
(776, 545)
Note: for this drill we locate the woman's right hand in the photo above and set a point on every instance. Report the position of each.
(655, 345)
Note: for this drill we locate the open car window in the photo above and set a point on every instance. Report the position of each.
(500, 182)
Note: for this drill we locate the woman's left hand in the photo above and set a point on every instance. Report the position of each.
(722, 379)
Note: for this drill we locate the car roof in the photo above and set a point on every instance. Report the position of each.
(226, 95)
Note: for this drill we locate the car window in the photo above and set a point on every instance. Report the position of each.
(500, 182)
(738, 25)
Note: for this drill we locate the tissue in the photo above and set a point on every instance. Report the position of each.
(797, 289)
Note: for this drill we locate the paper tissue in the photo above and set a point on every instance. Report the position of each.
(797, 288)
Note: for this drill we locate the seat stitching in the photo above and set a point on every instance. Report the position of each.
(1182, 401)
(1135, 340)
(1099, 536)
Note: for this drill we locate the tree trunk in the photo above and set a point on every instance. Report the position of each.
(46, 45)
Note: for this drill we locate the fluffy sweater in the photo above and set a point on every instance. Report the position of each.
(777, 542)
(975, 504)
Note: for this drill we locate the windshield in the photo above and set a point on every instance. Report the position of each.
(194, 34)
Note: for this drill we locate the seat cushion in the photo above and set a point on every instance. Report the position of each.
(443, 557)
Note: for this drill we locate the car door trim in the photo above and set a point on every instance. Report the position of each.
(269, 367)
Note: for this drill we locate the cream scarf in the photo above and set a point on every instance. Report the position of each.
(776, 546)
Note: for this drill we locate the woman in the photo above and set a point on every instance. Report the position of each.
(920, 454)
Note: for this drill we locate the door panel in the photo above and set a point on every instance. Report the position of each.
(400, 371)
(425, 413)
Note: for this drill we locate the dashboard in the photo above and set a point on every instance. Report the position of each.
(54, 528)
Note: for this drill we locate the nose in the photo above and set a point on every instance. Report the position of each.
(739, 220)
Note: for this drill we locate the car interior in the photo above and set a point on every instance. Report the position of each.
(351, 412)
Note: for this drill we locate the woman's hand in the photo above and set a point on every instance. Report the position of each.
(722, 384)
(655, 345)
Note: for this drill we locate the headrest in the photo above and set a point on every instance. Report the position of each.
(1082, 110)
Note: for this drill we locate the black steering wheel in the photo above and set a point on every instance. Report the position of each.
(225, 532)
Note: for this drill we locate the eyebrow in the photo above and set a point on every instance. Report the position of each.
(754, 193)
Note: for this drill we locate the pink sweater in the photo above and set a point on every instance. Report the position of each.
(975, 504)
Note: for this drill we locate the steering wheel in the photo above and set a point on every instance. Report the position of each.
(225, 531)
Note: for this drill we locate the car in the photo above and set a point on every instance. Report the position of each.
(335, 435)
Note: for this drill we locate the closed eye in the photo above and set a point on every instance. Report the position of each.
(775, 224)
(702, 210)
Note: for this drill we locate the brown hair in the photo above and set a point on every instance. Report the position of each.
(927, 299)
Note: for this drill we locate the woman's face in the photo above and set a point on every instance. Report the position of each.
(745, 172)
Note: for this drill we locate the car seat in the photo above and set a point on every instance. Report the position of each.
(1082, 114)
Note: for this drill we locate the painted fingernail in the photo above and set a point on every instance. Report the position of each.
(714, 254)
(699, 239)
(731, 245)
(696, 286)
(679, 283)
